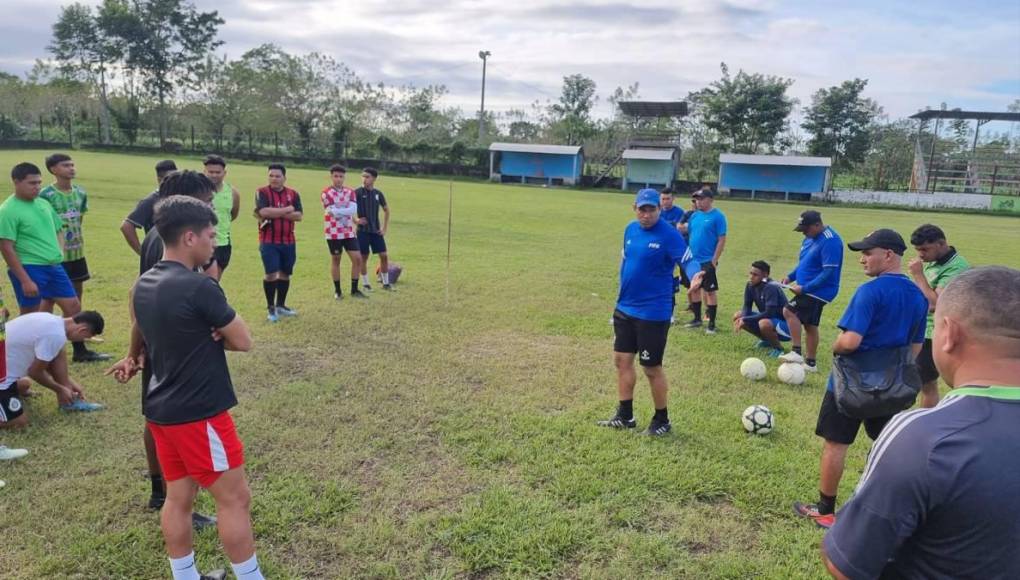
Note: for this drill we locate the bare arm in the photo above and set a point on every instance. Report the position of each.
(719, 247)
(14, 263)
(236, 335)
(39, 372)
(847, 342)
(235, 209)
(386, 220)
(131, 236)
(294, 216)
(832, 569)
(916, 268)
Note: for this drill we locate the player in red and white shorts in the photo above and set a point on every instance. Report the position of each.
(340, 206)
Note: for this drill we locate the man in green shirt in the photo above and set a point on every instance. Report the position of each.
(935, 265)
(71, 203)
(226, 204)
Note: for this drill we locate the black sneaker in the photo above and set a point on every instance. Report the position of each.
(366, 287)
(387, 287)
(220, 574)
(358, 294)
(156, 502)
(87, 356)
(657, 428)
(693, 324)
(200, 522)
(618, 422)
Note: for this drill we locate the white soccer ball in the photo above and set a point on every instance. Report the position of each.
(791, 373)
(753, 369)
(758, 420)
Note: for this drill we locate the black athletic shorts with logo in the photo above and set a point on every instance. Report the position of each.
(77, 270)
(222, 256)
(709, 282)
(646, 338)
(926, 363)
(807, 308)
(337, 247)
(11, 405)
(839, 428)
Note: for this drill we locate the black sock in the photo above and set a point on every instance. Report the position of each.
(79, 347)
(282, 286)
(796, 349)
(711, 308)
(354, 285)
(626, 409)
(696, 309)
(157, 484)
(826, 503)
(810, 362)
(661, 415)
(336, 287)
(269, 287)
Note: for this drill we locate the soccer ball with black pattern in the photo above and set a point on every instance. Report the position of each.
(757, 420)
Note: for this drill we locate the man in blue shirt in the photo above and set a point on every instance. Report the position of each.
(707, 230)
(815, 282)
(767, 321)
(669, 213)
(651, 249)
(886, 312)
(940, 496)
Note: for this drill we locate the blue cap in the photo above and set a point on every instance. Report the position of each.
(647, 197)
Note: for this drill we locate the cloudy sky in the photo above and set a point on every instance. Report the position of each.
(914, 54)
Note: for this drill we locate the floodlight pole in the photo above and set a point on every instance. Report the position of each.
(484, 55)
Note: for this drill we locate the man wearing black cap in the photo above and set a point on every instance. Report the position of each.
(885, 312)
(815, 283)
(707, 228)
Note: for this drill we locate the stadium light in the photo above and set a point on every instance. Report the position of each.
(484, 55)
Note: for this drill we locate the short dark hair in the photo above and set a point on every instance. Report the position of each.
(165, 166)
(371, 171)
(189, 183)
(279, 166)
(56, 159)
(93, 319)
(178, 214)
(214, 159)
(985, 300)
(337, 168)
(927, 234)
(762, 265)
(23, 170)
(668, 191)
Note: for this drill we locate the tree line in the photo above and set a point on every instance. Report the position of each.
(131, 70)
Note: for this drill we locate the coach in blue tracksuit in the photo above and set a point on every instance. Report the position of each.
(651, 249)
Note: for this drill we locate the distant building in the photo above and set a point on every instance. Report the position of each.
(538, 164)
(773, 176)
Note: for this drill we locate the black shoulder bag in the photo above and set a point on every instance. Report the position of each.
(876, 383)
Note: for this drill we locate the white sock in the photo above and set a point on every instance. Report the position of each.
(184, 568)
(248, 570)
(364, 279)
(386, 278)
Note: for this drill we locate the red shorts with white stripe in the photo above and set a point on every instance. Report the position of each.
(201, 450)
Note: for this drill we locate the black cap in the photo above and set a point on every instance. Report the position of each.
(808, 218)
(705, 192)
(883, 238)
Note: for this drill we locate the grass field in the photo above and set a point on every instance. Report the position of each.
(404, 437)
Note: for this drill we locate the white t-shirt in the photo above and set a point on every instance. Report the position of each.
(38, 335)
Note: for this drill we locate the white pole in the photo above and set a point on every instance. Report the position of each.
(449, 242)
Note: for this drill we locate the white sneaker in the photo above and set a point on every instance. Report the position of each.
(6, 453)
(810, 368)
(2, 483)
(792, 357)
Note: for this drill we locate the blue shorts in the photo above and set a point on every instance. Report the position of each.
(373, 241)
(278, 257)
(51, 279)
(782, 328)
(691, 269)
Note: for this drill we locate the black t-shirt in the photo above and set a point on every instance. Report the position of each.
(177, 310)
(143, 216)
(369, 202)
(151, 251)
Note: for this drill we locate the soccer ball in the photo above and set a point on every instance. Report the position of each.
(757, 420)
(753, 368)
(791, 373)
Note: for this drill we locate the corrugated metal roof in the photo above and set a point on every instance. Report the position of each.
(654, 108)
(536, 148)
(966, 115)
(654, 154)
(775, 160)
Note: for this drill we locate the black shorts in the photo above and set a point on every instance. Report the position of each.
(77, 270)
(646, 338)
(684, 280)
(371, 241)
(838, 428)
(709, 282)
(337, 247)
(807, 308)
(222, 256)
(926, 363)
(11, 405)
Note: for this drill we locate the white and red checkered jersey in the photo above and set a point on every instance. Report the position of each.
(340, 206)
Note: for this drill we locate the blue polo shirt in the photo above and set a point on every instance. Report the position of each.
(887, 311)
(706, 227)
(820, 265)
(940, 495)
(672, 216)
(646, 272)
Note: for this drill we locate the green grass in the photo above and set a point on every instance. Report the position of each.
(405, 437)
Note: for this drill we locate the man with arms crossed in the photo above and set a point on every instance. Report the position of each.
(278, 208)
(340, 205)
(651, 250)
(227, 204)
(372, 234)
(707, 229)
(887, 311)
(935, 265)
(185, 324)
(142, 215)
(940, 495)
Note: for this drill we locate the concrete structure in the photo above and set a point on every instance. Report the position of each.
(931, 200)
(650, 167)
(540, 164)
(773, 176)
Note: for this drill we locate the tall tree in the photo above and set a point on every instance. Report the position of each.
(572, 114)
(841, 122)
(749, 111)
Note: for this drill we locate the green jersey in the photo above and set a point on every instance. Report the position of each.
(223, 204)
(71, 206)
(33, 226)
(939, 273)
